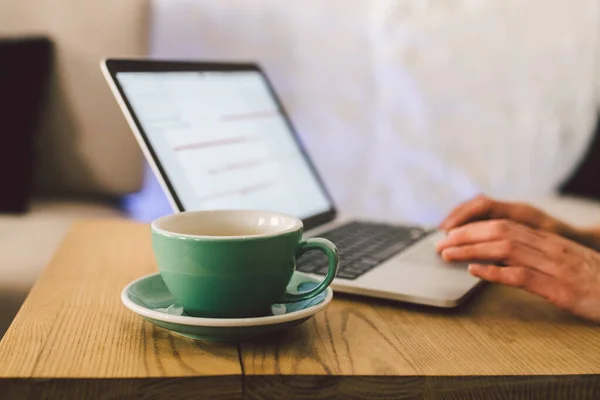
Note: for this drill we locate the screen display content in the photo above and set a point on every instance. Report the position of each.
(223, 142)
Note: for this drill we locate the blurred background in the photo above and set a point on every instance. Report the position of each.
(407, 106)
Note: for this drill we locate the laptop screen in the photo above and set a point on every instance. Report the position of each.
(223, 142)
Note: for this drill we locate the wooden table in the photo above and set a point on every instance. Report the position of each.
(73, 339)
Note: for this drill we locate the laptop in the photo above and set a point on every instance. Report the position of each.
(217, 137)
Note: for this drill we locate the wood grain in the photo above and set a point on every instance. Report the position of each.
(73, 325)
(347, 338)
(379, 346)
(503, 331)
(73, 339)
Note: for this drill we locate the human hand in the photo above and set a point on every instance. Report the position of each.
(485, 208)
(557, 269)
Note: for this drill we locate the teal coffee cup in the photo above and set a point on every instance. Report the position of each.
(234, 263)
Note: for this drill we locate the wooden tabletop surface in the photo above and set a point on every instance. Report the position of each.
(502, 343)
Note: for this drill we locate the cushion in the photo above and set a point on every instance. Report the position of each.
(27, 241)
(86, 142)
(24, 72)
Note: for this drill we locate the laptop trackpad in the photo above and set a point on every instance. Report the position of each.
(423, 252)
(420, 272)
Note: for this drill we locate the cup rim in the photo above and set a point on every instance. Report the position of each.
(154, 225)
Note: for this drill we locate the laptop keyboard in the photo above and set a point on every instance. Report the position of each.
(362, 246)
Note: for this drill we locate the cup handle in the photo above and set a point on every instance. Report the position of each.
(331, 252)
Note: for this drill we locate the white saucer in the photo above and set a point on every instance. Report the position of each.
(149, 298)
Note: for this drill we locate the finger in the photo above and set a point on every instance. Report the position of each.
(474, 209)
(486, 251)
(484, 231)
(515, 211)
(511, 275)
(533, 281)
(502, 251)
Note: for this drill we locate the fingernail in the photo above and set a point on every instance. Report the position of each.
(444, 254)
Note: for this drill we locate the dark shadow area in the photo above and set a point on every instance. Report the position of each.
(10, 303)
(171, 388)
(25, 69)
(585, 181)
(565, 387)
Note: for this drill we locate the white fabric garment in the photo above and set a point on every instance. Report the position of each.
(410, 106)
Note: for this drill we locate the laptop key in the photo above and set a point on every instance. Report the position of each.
(344, 274)
(322, 270)
(305, 267)
(362, 247)
(308, 260)
(362, 265)
(390, 251)
(358, 271)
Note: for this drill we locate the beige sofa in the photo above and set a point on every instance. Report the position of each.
(87, 157)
